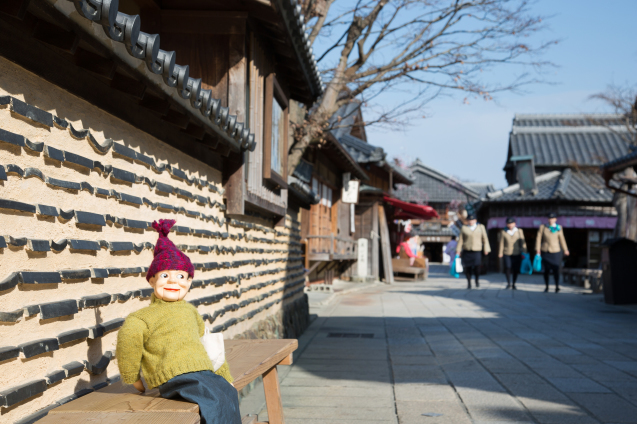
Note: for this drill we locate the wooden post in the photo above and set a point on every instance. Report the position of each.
(236, 185)
(332, 243)
(273, 396)
(374, 241)
(385, 245)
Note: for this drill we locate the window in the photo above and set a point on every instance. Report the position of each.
(275, 137)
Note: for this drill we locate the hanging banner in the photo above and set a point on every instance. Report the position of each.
(350, 189)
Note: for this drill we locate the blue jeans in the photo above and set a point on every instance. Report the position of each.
(218, 401)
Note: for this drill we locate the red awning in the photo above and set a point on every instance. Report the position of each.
(404, 210)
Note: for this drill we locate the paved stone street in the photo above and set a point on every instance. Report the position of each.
(480, 356)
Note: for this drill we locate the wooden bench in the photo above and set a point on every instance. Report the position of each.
(402, 266)
(584, 277)
(123, 404)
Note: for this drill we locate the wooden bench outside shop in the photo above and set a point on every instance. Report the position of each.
(418, 270)
(584, 277)
(123, 404)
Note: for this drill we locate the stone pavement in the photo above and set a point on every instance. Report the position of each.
(390, 354)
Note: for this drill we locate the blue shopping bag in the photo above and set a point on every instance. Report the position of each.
(526, 267)
(537, 263)
(452, 268)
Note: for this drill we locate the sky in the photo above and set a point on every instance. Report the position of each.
(470, 141)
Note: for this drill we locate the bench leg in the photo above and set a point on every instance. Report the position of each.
(273, 396)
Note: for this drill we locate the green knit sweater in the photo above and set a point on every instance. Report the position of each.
(164, 340)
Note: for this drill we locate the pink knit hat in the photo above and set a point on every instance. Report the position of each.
(167, 256)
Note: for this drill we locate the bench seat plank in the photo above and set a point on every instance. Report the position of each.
(102, 401)
(121, 418)
(249, 359)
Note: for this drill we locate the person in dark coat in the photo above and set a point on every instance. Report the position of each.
(472, 244)
(551, 244)
(512, 245)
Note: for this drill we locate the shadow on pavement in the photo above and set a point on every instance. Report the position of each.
(475, 356)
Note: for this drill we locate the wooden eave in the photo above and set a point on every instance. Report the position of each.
(269, 25)
(342, 159)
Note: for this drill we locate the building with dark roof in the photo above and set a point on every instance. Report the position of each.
(566, 152)
(447, 195)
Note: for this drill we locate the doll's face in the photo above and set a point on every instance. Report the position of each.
(171, 285)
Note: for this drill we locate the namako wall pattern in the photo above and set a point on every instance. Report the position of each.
(78, 191)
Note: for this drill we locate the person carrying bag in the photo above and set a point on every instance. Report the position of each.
(551, 244)
(512, 245)
(472, 243)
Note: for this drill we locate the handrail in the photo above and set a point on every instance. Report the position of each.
(331, 246)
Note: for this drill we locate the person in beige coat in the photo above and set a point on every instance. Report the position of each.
(472, 243)
(512, 245)
(550, 243)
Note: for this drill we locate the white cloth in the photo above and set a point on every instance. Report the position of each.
(473, 227)
(513, 231)
(213, 342)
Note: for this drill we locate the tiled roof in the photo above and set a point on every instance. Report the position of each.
(568, 140)
(302, 191)
(567, 120)
(434, 186)
(362, 151)
(342, 121)
(590, 146)
(621, 162)
(582, 186)
(481, 188)
(123, 28)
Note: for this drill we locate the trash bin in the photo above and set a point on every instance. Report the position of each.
(619, 265)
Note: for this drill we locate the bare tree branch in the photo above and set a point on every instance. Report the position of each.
(418, 48)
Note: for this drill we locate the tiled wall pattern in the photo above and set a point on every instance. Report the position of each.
(78, 191)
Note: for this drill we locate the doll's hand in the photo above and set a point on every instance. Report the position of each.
(139, 385)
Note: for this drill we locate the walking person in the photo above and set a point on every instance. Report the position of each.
(512, 245)
(450, 249)
(550, 243)
(472, 243)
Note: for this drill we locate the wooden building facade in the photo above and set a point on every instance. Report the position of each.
(113, 115)
(372, 216)
(327, 228)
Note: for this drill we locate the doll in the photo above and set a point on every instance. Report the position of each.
(163, 339)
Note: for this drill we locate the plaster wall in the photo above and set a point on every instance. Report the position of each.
(227, 314)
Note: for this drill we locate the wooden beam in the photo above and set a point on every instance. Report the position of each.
(237, 73)
(195, 130)
(14, 8)
(95, 63)
(287, 360)
(56, 36)
(203, 22)
(128, 85)
(385, 245)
